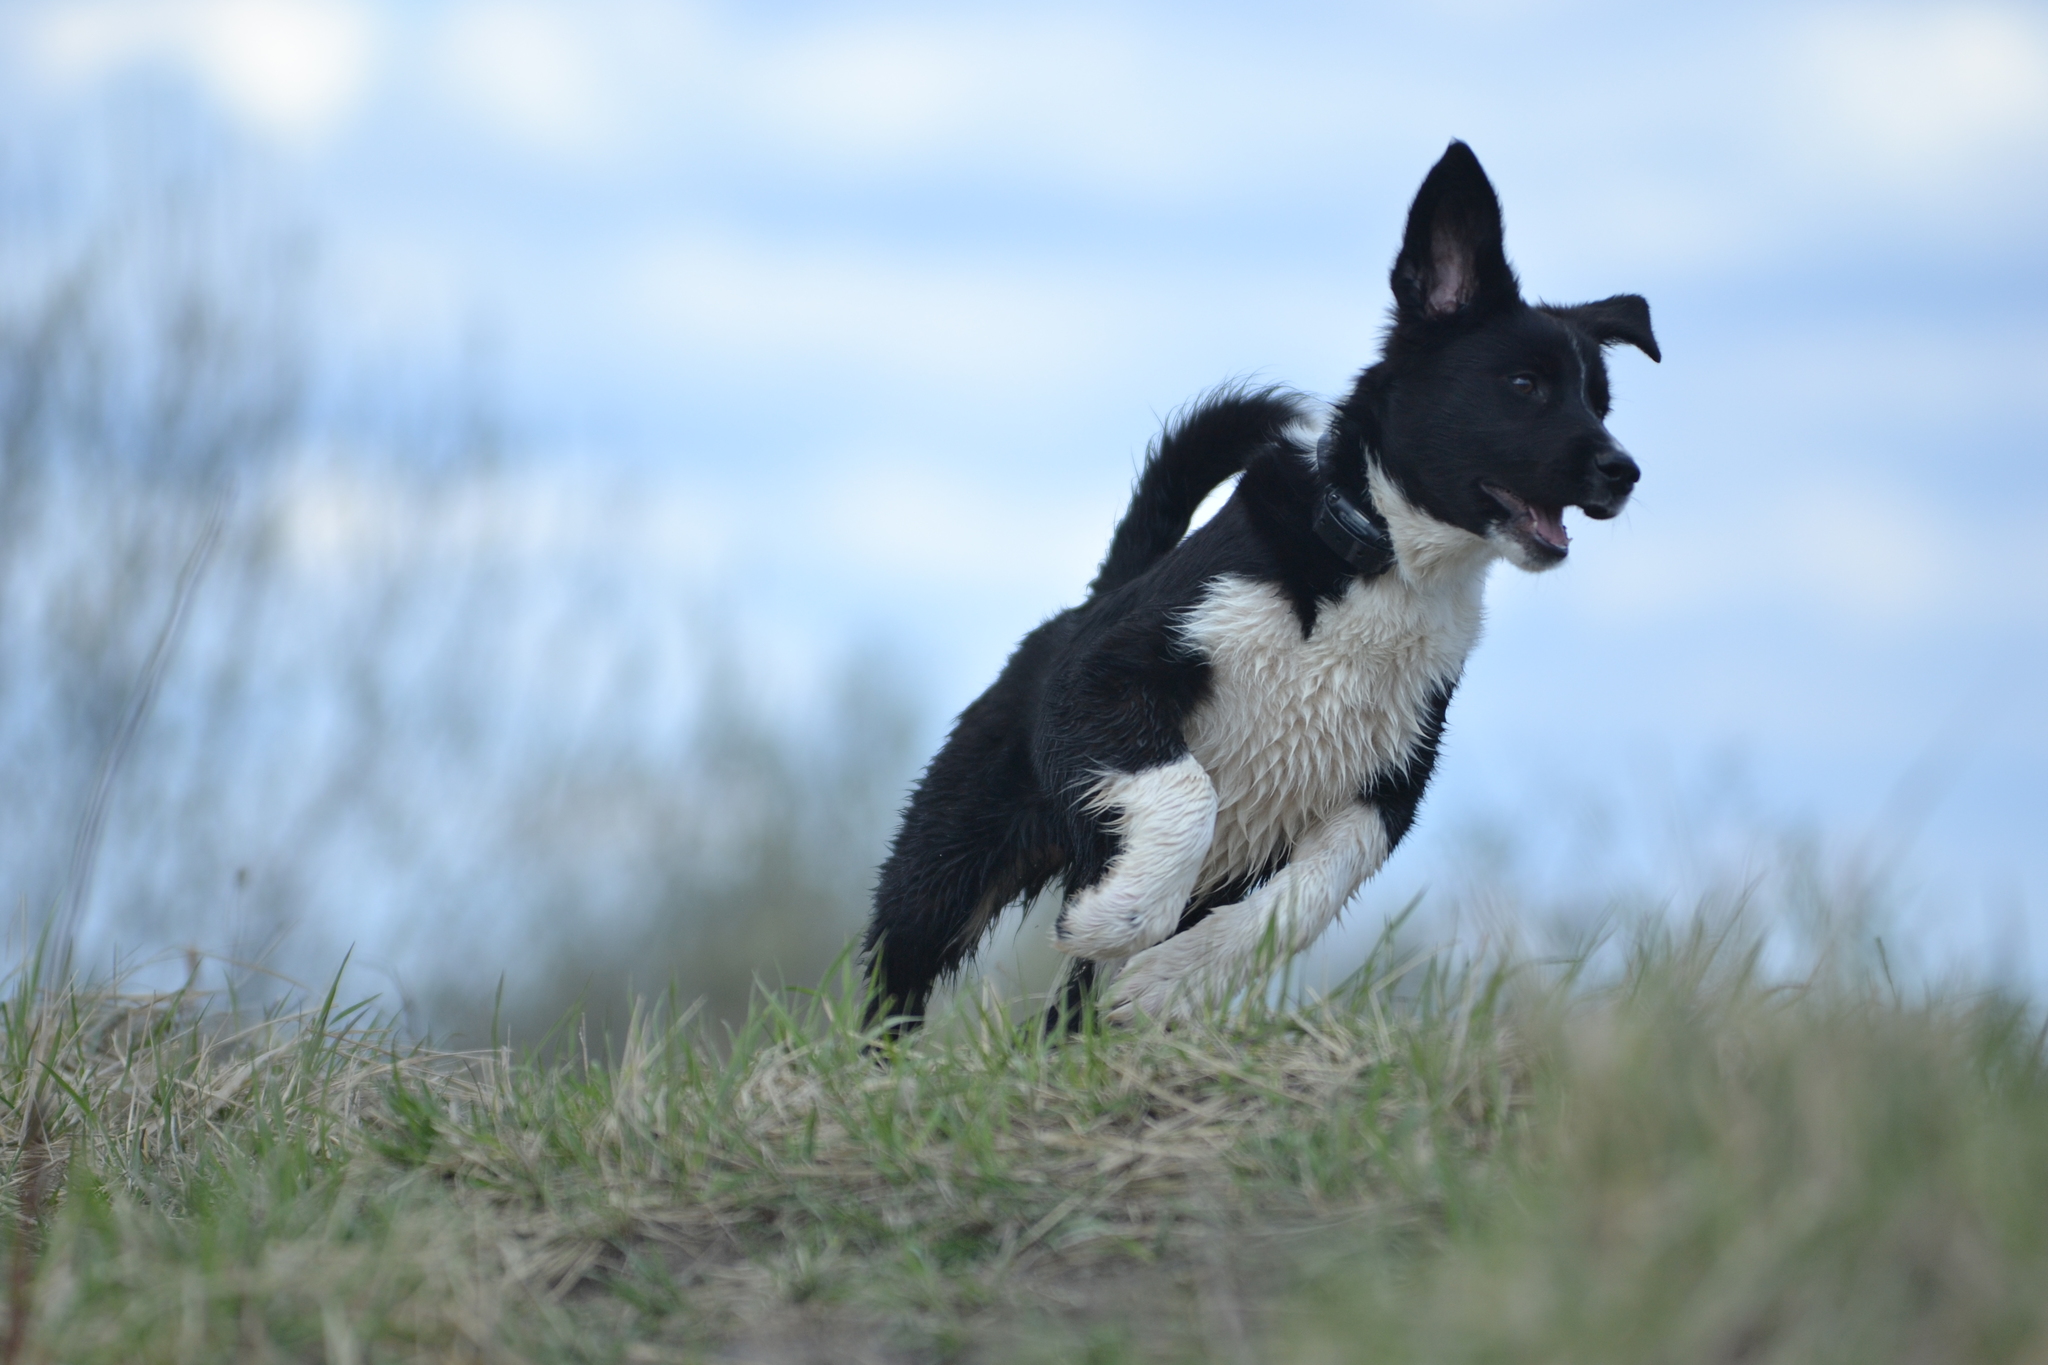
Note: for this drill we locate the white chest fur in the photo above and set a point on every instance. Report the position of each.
(1293, 727)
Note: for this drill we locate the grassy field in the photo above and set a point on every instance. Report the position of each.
(1497, 1161)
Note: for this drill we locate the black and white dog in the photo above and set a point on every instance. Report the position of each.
(1231, 734)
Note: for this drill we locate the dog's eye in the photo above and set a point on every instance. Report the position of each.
(1524, 384)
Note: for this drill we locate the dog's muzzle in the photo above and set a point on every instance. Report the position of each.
(1614, 477)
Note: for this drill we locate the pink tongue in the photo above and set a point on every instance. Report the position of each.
(1549, 525)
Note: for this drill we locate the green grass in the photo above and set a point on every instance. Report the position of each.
(1494, 1161)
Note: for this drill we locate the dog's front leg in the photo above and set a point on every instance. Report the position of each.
(1222, 954)
(1164, 819)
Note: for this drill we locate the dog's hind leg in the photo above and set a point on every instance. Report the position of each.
(1225, 951)
(938, 897)
(972, 842)
(1164, 819)
(975, 838)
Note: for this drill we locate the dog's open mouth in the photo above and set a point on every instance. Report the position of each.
(1539, 528)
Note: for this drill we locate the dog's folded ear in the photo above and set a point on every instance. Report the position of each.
(1625, 317)
(1452, 259)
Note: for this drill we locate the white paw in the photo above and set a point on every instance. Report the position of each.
(1160, 983)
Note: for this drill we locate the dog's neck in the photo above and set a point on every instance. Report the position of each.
(1377, 528)
(1427, 551)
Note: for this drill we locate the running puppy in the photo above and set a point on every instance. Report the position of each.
(1232, 733)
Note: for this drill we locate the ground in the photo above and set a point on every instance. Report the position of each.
(1675, 1159)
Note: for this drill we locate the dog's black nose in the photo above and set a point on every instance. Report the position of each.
(1617, 468)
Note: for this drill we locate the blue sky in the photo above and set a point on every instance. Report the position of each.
(857, 318)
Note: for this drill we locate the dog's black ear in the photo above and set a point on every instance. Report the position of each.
(1452, 258)
(1625, 317)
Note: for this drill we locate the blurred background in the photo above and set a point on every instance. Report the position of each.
(514, 490)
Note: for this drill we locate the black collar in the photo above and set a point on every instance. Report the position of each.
(1357, 535)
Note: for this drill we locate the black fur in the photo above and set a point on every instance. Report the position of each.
(1484, 412)
(996, 815)
(1396, 792)
(1201, 451)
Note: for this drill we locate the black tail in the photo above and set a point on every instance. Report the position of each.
(1216, 438)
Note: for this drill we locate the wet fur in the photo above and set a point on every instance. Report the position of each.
(1233, 732)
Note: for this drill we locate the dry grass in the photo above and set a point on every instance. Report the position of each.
(1447, 1164)
(206, 1188)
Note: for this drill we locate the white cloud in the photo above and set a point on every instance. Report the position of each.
(917, 522)
(1868, 555)
(1091, 100)
(921, 317)
(1879, 555)
(293, 68)
(336, 518)
(883, 516)
(531, 73)
(876, 91)
(1911, 91)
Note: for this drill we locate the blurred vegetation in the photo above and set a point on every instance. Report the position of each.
(1715, 1168)
(272, 684)
(148, 369)
(745, 857)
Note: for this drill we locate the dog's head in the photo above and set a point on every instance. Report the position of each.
(1491, 412)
